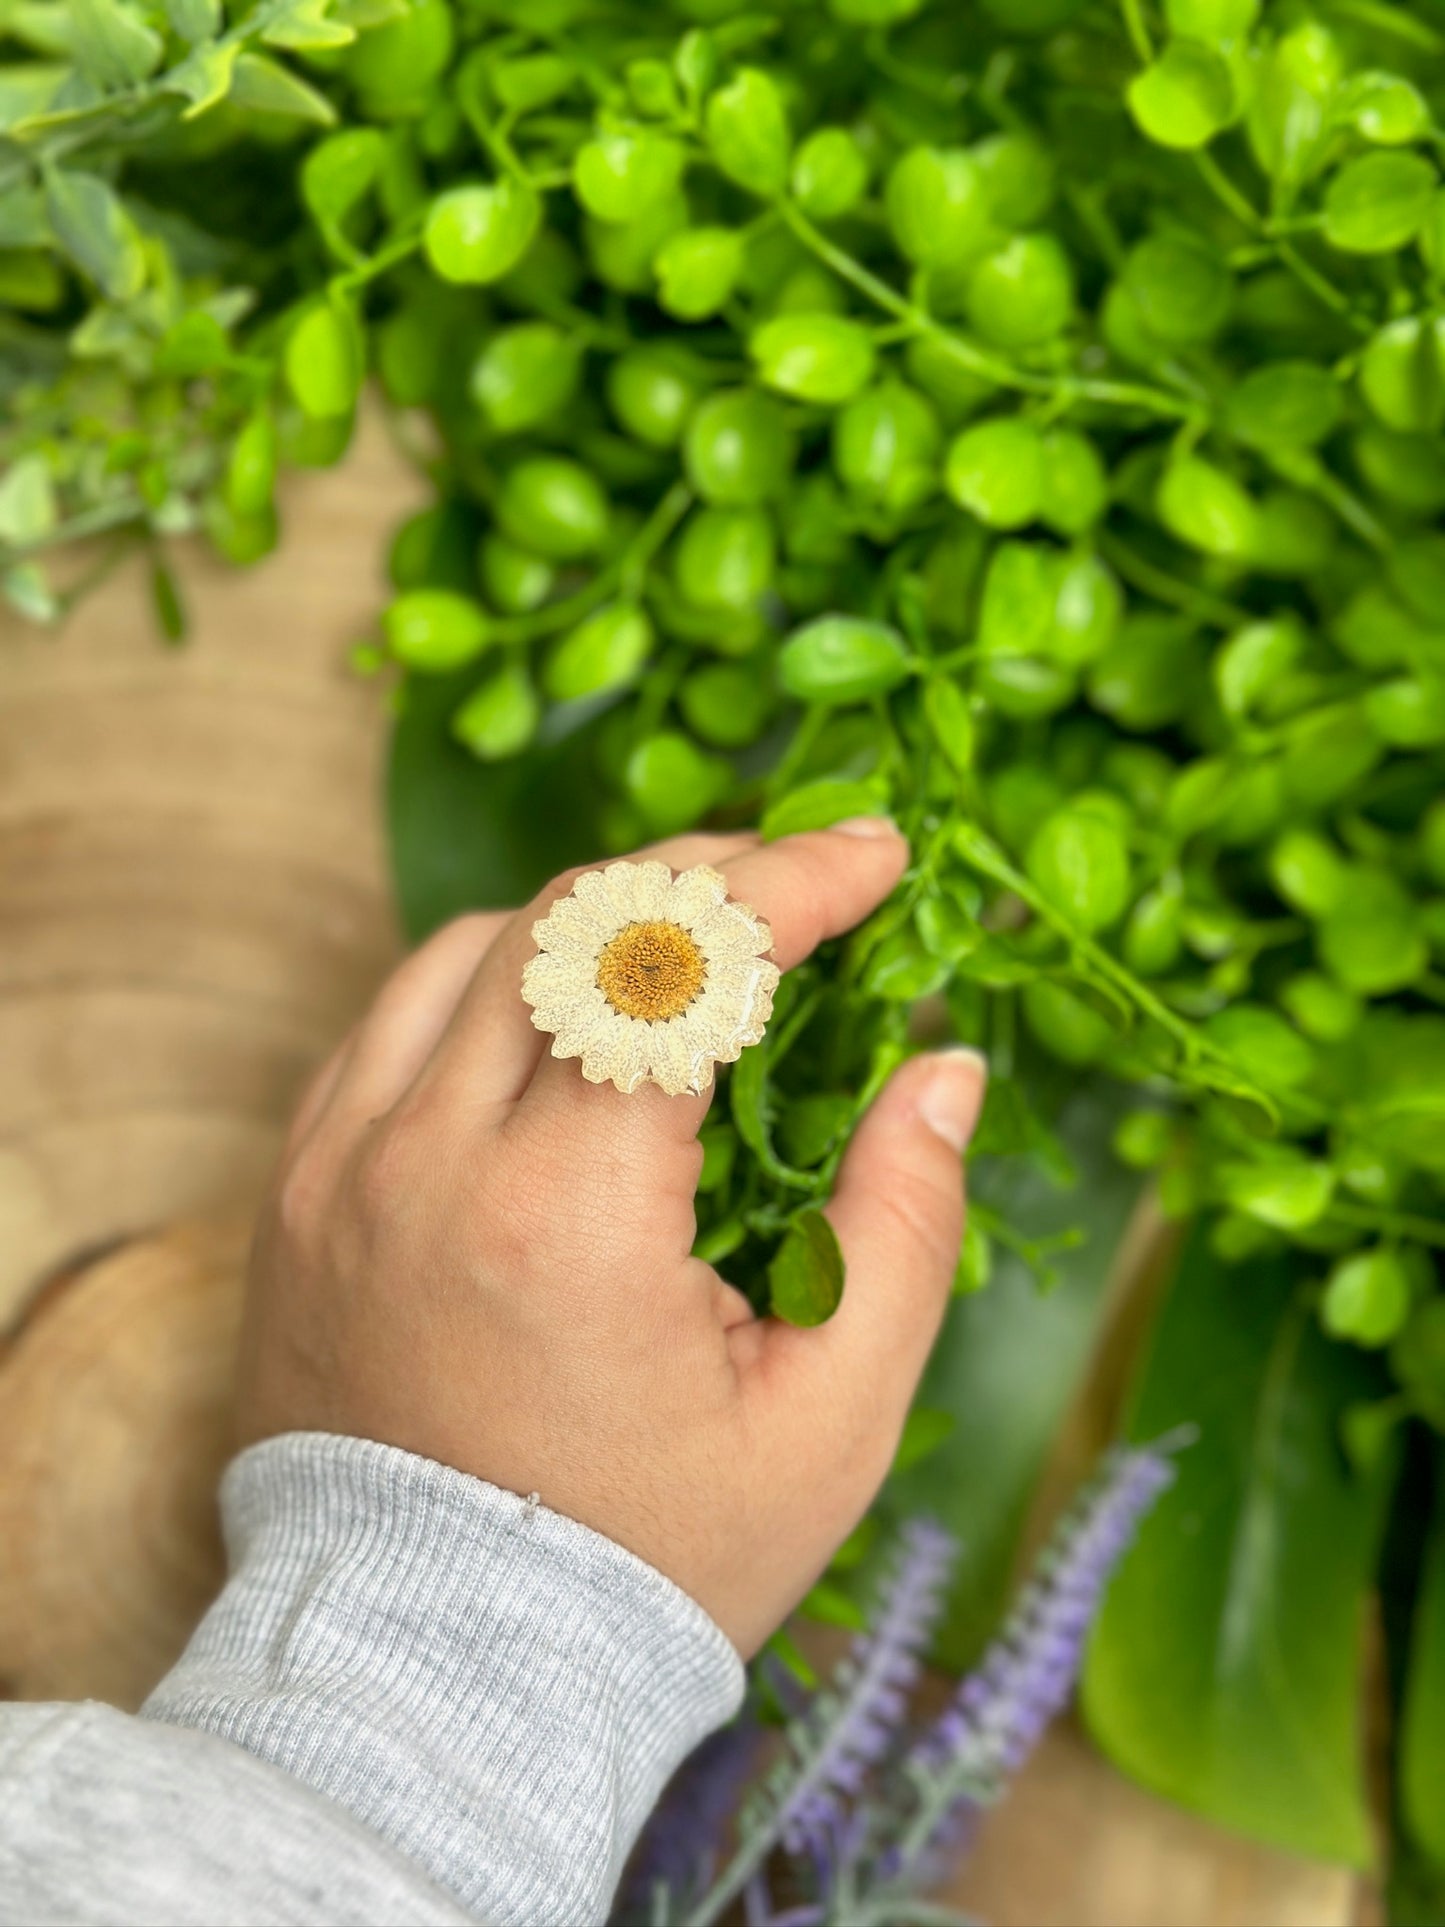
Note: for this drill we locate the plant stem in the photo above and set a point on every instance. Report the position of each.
(1157, 582)
(978, 361)
(1139, 36)
(1391, 1224)
(625, 573)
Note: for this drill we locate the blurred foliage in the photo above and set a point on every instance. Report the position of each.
(1021, 415)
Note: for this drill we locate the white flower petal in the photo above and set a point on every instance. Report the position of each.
(572, 918)
(674, 1054)
(651, 886)
(585, 1029)
(596, 889)
(619, 1053)
(694, 894)
(551, 976)
(729, 932)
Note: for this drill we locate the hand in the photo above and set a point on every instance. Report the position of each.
(473, 1253)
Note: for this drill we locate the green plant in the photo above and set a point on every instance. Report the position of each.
(1022, 415)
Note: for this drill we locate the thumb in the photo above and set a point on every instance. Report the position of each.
(898, 1213)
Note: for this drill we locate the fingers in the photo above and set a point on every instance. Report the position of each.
(491, 1048)
(806, 888)
(413, 1008)
(817, 885)
(898, 1213)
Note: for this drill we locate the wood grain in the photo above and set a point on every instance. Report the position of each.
(115, 1422)
(193, 907)
(193, 897)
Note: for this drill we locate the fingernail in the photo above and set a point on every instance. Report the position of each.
(953, 1096)
(875, 826)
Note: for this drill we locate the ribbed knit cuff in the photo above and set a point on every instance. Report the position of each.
(498, 1691)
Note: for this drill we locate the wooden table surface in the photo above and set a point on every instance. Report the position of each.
(193, 907)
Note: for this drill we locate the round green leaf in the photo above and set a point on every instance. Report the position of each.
(1065, 1025)
(1021, 177)
(1252, 660)
(620, 177)
(1211, 21)
(1385, 108)
(830, 172)
(1408, 712)
(725, 557)
(1308, 872)
(1181, 288)
(500, 718)
(885, 446)
(340, 171)
(1403, 375)
(672, 782)
(938, 205)
(1367, 1298)
(553, 506)
(324, 362)
(738, 448)
(842, 659)
(525, 374)
(28, 507)
(814, 357)
(1289, 1196)
(902, 969)
(1081, 863)
(1207, 508)
(622, 252)
(1088, 606)
(435, 630)
(1154, 934)
(1322, 1008)
(697, 270)
(1376, 204)
(747, 132)
(727, 703)
(605, 651)
(805, 1278)
(1185, 97)
(1371, 940)
(392, 62)
(996, 472)
(1020, 591)
(1023, 294)
(652, 393)
(251, 471)
(1268, 1050)
(476, 234)
(818, 806)
(514, 579)
(1286, 404)
(1076, 485)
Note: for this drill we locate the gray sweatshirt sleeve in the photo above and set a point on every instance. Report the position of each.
(417, 1698)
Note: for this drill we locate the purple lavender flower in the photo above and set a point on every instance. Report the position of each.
(869, 1698)
(680, 1847)
(807, 1805)
(1027, 1675)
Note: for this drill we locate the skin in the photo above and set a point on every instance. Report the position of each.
(471, 1253)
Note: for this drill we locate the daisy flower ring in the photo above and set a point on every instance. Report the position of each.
(650, 977)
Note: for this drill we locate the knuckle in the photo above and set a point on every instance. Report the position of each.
(466, 932)
(402, 1147)
(303, 1190)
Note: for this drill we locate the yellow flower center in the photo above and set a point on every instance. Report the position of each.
(651, 970)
